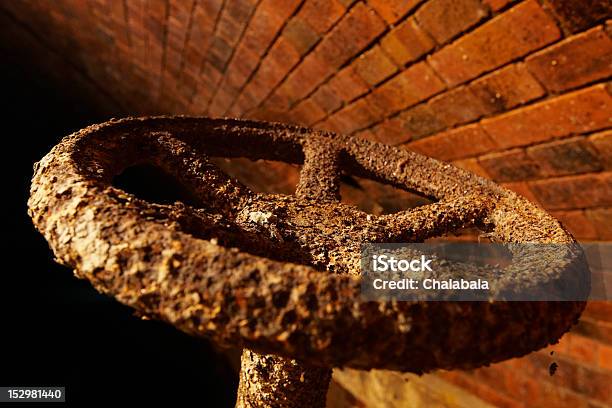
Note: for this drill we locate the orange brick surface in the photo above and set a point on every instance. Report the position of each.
(577, 223)
(393, 10)
(374, 66)
(518, 31)
(407, 42)
(590, 190)
(348, 85)
(444, 19)
(511, 165)
(600, 218)
(409, 87)
(391, 131)
(420, 121)
(603, 144)
(454, 144)
(577, 112)
(567, 156)
(507, 88)
(459, 106)
(321, 15)
(580, 59)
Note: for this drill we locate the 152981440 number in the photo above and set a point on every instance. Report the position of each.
(33, 394)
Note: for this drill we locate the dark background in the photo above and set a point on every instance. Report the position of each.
(56, 330)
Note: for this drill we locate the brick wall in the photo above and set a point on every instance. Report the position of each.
(516, 91)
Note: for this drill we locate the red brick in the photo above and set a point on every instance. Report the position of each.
(330, 124)
(521, 188)
(307, 112)
(224, 97)
(327, 99)
(391, 132)
(280, 59)
(506, 88)
(589, 190)
(255, 91)
(219, 53)
(496, 4)
(518, 31)
(605, 357)
(596, 384)
(492, 376)
(270, 114)
(577, 223)
(454, 144)
(233, 19)
(237, 110)
(407, 42)
(503, 377)
(300, 35)
(512, 165)
(366, 134)
(241, 67)
(282, 99)
(567, 375)
(579, 15)
(554, 396)
(407, 88)
(603, 143)
(522, 388)
(568, 156)
(420, 121)
(496, 397)
(265, 24)
(393, 10)
(472, 166)
(321, 15)
(332, 52)
(353, 33)
(458, 106)
(358, 115)
(580, 59)
(212, 74)
(444, 19)
(577, 112)
(600, 331)
(305, 78)
(348, 85)
(600, 217)
(374, 66)
(599, 310)
(492, 395)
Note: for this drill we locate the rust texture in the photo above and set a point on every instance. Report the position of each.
(279, 274)
(271, 381)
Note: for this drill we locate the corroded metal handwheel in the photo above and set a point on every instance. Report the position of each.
(275, 274)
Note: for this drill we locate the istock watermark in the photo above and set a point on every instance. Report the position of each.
(383, 263)
(486, 271)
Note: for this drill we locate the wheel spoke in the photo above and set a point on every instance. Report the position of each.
(434, 219)
(320, 175)
(210, 185)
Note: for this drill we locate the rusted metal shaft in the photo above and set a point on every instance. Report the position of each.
(270, 381)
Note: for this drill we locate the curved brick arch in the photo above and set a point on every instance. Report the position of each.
(513, 90)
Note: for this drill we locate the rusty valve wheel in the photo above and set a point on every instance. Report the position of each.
(279, 275)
